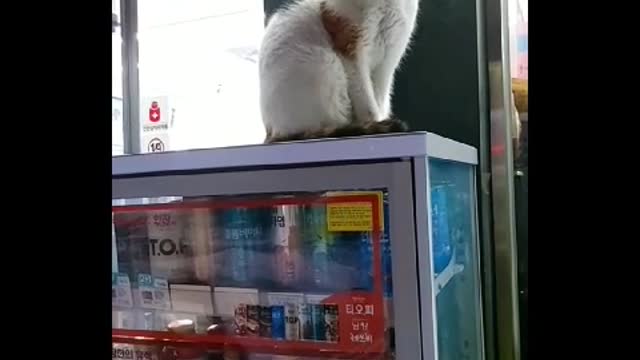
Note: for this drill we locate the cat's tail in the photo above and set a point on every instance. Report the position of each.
(347, 130)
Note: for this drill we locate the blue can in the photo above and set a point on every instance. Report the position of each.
(332, 324)
(442, 251)
(365, 280)
(344, 259)
(317, 316)
(306, 322)
(286, 238)
(352, 261)
(132, 244)
(386, 250)
(277, 322)
(245, 239)
(317, 240)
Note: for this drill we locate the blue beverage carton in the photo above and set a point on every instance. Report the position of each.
(245, 239)
(306, 322)
(386, 250)
(317, 316)
(317, 240)
(277, 322)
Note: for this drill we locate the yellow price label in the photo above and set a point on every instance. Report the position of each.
(356, 193)
(352, 216)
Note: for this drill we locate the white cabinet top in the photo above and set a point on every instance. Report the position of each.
(379, 147)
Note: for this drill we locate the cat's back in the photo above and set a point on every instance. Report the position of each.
(302, 81)
(295, 28)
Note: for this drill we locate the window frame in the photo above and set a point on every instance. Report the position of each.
(130, 79)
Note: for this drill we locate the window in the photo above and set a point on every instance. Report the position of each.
(519, 38)
(200, 58)
(519, 53)
(117, 129)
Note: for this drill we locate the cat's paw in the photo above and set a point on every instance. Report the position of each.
(392, 125)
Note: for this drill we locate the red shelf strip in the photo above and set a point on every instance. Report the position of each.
(248, 344)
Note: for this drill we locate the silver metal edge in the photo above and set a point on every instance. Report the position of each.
(364, 148)
(254, 181)
(502, 183)
(428, 317)
(130, 77)
(446, 149)
(403, 261)
(477, 254)
(483, 191)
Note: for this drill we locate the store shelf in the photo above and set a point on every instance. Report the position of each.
(443, 279)
(289, 154)
(248, 344)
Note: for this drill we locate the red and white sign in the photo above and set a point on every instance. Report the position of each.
(361, 321)
(154, 112)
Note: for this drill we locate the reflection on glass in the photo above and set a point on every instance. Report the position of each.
(519, 62)
(455, 255)
(117, 127)
(289, 275)
(519, 38)
(519, 45)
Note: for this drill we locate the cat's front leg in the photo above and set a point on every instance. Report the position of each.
(383, 76)
(361, 92)
(347, 37)
(394, 34)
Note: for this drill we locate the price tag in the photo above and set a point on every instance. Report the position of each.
(121, 291)
(378, 194)
(352, 216)
(153, 292)
(361, 316)
(360, 321)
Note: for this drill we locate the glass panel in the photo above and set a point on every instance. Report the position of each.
(519, 38)
(276, 276)
(455, 255)
(519, 51)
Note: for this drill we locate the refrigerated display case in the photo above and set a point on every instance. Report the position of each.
(360, 248)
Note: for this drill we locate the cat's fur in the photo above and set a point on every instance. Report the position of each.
(327, 67)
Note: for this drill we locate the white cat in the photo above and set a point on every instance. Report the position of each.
(327, 67)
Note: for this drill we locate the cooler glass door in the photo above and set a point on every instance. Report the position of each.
(292, 275)
(456, 271)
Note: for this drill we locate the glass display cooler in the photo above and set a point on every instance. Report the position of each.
(360, 248)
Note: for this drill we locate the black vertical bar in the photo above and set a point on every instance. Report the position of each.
(130, 78)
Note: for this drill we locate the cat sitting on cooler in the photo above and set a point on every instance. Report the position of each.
(327, 67)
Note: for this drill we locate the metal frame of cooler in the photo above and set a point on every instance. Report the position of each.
(398, 163)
